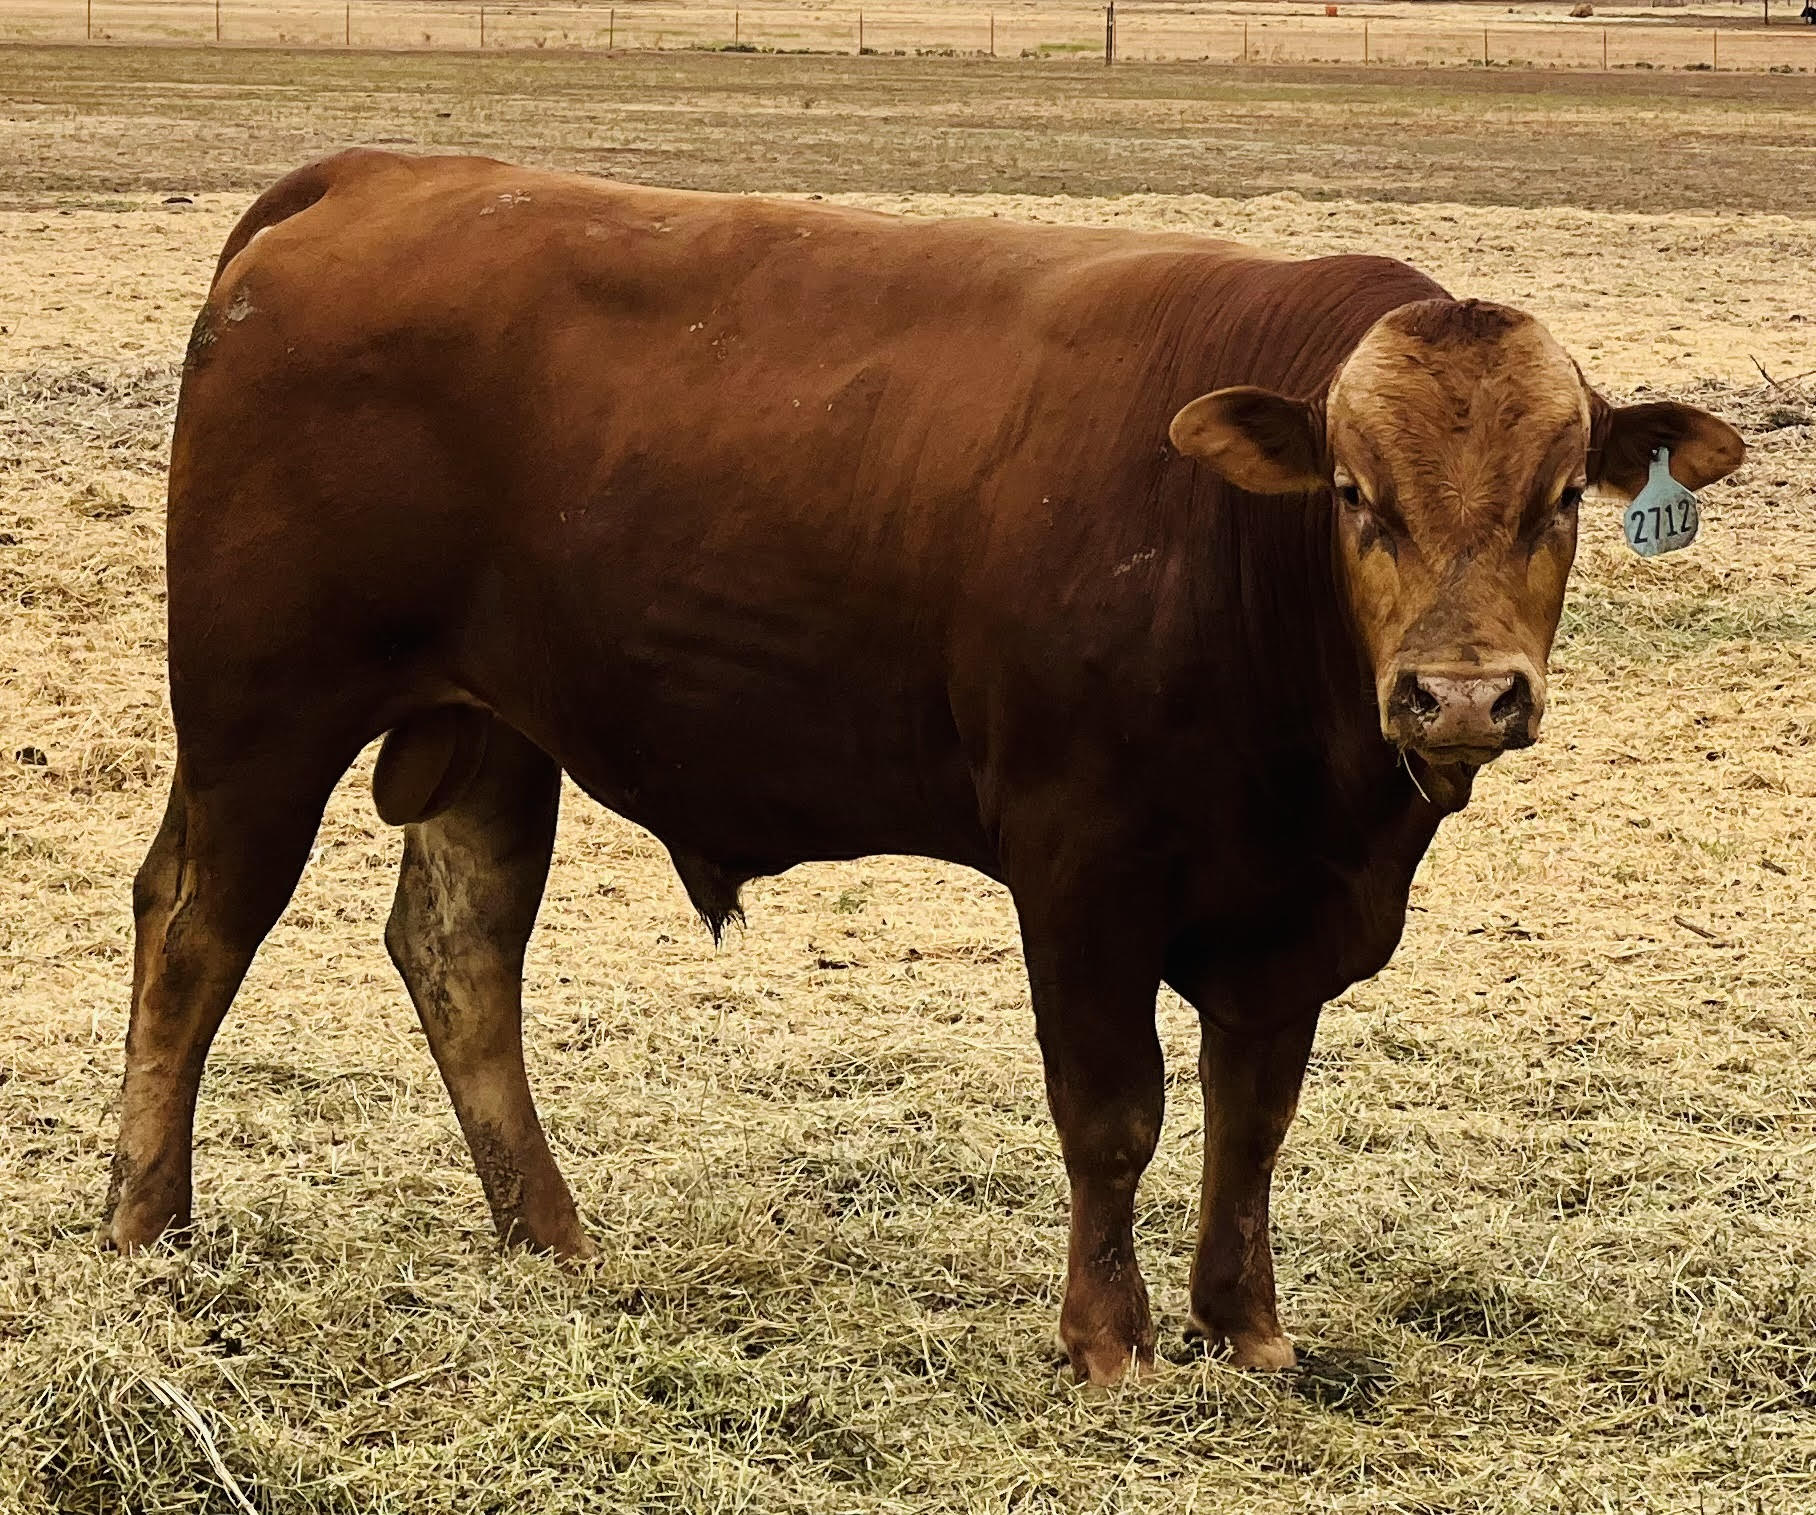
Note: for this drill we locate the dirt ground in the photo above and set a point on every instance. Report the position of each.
(1544, 1224)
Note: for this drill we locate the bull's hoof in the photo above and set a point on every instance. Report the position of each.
(558, 1236)
(1106, 1327)
(575, 1253)
(1261, 1351)
(143, 1204)
(1265, 1354)
(131, 1229)
(1107, 1358)
(1106, 1366)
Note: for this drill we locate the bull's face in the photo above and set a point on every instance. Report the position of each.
(1458, 440)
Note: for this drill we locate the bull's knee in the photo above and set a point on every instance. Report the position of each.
(1113, 1143)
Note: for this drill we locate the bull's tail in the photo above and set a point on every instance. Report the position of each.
(293, 194)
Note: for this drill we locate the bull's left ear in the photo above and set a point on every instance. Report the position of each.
(1260, 441)
(1623, 438)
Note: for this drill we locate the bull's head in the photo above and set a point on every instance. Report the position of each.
(1458, 439)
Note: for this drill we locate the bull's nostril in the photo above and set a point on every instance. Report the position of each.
(1515, 703)
(1418, 699)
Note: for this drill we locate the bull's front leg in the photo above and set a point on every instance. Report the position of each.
(1251, 1081)
(1094, 985)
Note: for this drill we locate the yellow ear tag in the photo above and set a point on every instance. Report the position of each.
(1663, 516)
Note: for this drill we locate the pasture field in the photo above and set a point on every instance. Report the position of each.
(1545, 1225)
(109, 121)
(1410, 33)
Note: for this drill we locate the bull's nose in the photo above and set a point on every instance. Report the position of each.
(1473, 715)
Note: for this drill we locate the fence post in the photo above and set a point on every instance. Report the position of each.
(1109, 33)
(217, 20)
(737, 28)
(1604, 49)
(992, 34)
(611, 30)
(347, 36)
(482, 28)
(1365, 39)
(1714, 49)
(860, 34)
(91, 20)
(1484, 47)
(1245, 42)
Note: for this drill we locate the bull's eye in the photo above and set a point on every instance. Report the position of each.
(1370, 530)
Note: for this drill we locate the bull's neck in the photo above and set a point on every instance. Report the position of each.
(1268, 638)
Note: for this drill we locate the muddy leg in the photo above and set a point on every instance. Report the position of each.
(216, 879)
(1094, 1013)
(1251, 1089)
(467, 897)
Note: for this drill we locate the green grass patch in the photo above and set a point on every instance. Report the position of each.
(1609, 625)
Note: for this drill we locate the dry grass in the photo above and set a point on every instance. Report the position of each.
(1544, 1223)
(77, 122)
(1384, 32)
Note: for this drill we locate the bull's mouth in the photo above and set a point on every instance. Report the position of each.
(1471, 754)
(1458, 757)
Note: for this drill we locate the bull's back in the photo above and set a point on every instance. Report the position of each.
(836, 363)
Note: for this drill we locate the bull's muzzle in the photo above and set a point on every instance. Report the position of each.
(1457, 716)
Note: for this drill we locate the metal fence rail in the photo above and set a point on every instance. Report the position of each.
(925, 29)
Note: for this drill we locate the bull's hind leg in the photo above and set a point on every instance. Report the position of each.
(467, 896)
(233, 842)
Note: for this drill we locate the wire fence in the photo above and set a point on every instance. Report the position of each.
(1124, 32)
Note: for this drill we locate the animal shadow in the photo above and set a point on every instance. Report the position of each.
(1338, 1378)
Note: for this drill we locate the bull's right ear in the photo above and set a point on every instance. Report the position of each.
(1261, 442)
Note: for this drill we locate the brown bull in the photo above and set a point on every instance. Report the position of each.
(793, 532)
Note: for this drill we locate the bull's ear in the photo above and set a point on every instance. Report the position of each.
(1624, 437)
(1260, 441)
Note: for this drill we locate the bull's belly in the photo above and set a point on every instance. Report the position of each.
(759, 774)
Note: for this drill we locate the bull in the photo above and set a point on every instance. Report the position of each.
(1182, 588)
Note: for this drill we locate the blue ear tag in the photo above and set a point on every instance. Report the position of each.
(1663, 516)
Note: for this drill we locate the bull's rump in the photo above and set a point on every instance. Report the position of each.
(746, 510)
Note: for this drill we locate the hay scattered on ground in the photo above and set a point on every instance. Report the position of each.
(1544, 1223)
